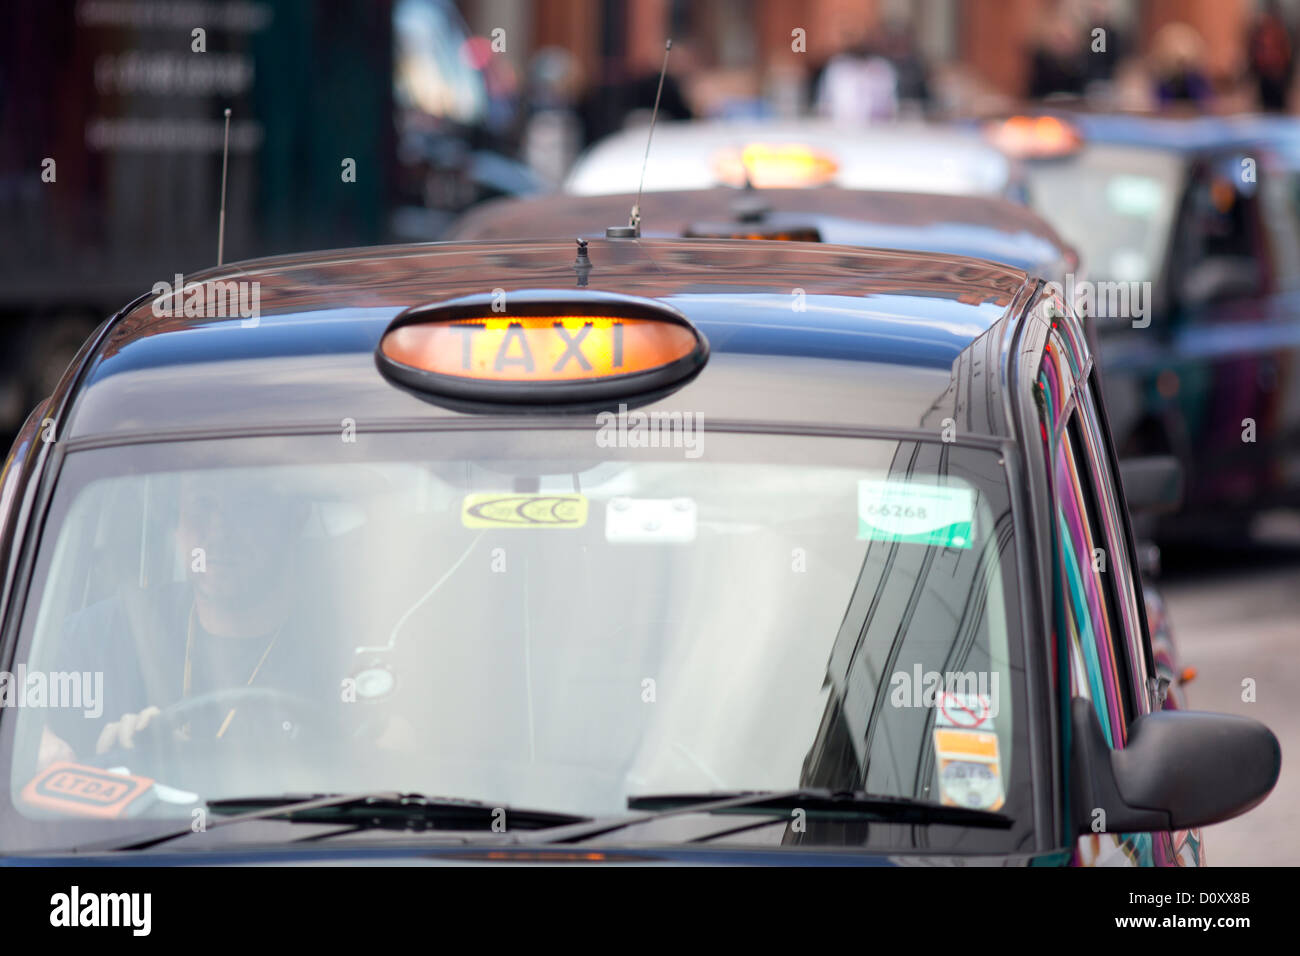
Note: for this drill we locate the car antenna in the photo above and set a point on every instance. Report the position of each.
(221, 222)
(750, 206)
(582, 264)
(633, 228)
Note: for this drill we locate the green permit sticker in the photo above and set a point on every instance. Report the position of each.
(939, 515)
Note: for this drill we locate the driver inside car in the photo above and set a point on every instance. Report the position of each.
(251, 613)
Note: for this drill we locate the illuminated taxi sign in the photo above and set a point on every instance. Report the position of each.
(541, 347)
(1034, 137)
(774, 166)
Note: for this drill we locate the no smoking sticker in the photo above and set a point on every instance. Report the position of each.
(968, 711)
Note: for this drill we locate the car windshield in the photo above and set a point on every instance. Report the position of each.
(523, 617)
(1115, 204)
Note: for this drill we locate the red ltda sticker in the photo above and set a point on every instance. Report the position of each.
(84, 791)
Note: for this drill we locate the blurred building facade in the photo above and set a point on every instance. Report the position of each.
(981, 52)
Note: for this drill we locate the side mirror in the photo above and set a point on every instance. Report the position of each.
(1153, 484)
(1181, 769)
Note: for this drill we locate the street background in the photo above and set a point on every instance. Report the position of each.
(1235, 612)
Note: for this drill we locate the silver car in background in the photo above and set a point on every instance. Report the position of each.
(897, 157)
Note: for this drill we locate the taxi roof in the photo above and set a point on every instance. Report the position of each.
(801, 333)
(980, 226)
(1175, 133)
(1188, 137)
(906, 156)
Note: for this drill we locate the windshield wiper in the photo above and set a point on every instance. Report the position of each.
(369, 811)
(398, 811)
(818, 803)
(827, 804)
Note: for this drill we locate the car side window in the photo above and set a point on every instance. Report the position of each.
(1219, 248)
(1092, 613)
(1280, 188)
(1123, 578)
(1098, 668)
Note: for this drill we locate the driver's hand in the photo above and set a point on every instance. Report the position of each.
(53, 749)
(121, 733)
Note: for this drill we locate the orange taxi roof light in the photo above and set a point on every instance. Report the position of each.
(560, 348)
(774, 166)
(1034, 137)
(531, 348)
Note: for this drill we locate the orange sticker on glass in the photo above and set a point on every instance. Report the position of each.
(970, 772)
(84, 791)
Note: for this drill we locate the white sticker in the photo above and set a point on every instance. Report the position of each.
(160, 790)
(650, 520)
(172, 795)
(909, 511)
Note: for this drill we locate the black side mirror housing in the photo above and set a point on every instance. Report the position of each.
(1180, 769)
(1153, 484)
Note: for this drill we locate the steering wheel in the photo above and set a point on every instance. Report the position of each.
(276, 715)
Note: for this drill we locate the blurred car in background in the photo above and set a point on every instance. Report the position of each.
(1190, 230)
(983, 227)
(352, 123)
(902, 157)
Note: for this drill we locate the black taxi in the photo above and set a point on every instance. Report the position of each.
(616, 550)
(984, 227)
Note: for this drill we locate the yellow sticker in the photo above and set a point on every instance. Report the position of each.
(503, 510)
(970, 772)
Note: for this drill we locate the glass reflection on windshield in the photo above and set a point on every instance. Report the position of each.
(555, 625)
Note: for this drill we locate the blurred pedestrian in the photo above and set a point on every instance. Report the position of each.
(610, 103)
(858, 86)
(1107, 49)
(1178, 54)
(1270, 55)
(899, 45)
(552, 132)
(1056, 61)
